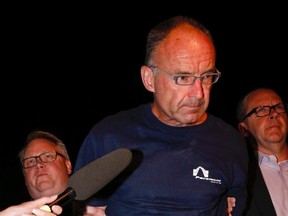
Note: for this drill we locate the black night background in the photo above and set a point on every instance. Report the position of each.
(65, 67)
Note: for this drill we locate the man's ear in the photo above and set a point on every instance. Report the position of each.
(69, 166)
(147, 78)
(242, 127)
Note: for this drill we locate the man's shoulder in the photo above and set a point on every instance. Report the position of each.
(212, 119)
(124, 115)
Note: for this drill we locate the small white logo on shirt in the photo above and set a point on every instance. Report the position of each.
(205, 175)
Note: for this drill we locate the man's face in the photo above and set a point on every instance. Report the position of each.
(184, 51)
(46, 179)
(267, 129)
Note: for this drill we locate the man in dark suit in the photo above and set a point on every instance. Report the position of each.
(263, 121)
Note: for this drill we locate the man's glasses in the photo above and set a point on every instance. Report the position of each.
(45, 157)
(262, 111)
(183, 79)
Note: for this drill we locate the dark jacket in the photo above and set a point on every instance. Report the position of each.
(259, 200)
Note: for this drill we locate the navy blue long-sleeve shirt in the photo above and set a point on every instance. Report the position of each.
(181, 171)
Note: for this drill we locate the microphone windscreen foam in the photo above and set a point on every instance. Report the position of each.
(94, 176)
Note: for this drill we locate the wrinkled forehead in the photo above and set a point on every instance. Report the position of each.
(262, 98)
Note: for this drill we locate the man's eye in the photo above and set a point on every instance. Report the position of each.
(261, 110)
(30, 161)
(182, 77)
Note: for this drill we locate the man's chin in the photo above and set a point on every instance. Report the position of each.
(45, 187)
(195, 119)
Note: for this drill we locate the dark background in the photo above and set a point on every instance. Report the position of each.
(65, 67)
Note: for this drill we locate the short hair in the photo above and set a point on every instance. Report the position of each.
(44, 135)
(162, 30)
(242, 105)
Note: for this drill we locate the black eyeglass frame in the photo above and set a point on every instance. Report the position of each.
(258, 108)
(39, 156)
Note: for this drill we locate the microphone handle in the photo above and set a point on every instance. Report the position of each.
(64, 198)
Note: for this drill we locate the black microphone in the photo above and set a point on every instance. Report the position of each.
(94, 176)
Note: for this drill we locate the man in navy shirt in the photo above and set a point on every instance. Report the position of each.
(185, 161)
